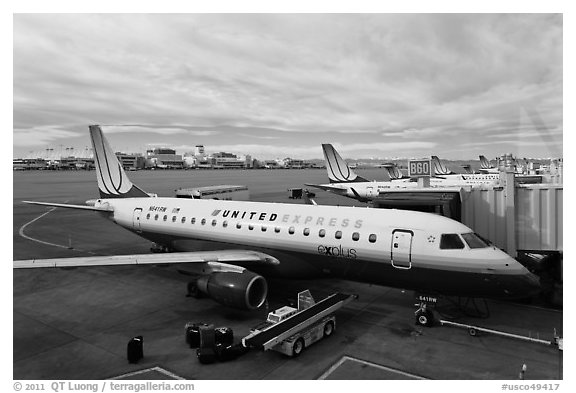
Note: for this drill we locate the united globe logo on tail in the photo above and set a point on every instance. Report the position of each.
(338, 169)
(112, 181)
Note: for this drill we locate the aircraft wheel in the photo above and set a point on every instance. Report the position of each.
(424, 318)
(298, 347)
(328, 329)
(193, 291)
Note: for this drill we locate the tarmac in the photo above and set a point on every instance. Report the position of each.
(76, 323)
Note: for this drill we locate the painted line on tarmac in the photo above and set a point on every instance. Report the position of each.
(147, 370)
(336, 365)
(21, 231)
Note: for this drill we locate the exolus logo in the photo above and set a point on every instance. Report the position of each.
(337, 252)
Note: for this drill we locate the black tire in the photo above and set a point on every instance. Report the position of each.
(298, 347)
(328, 329)
(193, 291)
(424, 318)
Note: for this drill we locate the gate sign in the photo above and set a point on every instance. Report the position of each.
(419, 168)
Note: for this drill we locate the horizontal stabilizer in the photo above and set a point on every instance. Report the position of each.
(214, 260)
(326, 187)
(82, 207)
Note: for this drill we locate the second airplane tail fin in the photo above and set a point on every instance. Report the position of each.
(112, 180)
(439, 168)
(338, 169)
(484, 163)
(393, 171)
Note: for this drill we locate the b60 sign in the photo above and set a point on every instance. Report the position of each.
(419, 168)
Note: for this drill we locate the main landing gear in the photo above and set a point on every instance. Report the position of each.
(424, 314)
(159, 248)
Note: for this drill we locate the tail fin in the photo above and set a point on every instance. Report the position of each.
(439, 168)
(484, 163)
(112, 181)
(393, 171)
(338, 170)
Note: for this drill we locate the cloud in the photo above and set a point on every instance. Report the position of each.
(419, 77)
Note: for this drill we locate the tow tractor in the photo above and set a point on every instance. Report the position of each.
(290, 330)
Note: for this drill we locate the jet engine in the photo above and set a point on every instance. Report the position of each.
(246, 290)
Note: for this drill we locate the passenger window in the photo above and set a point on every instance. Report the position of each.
(291, 230)
(193, 220)
(165, 218)
(338, 235)
(173, 218)
(372, 238)
(148, 216)
(214, 222)
(277, 229)
(156, 217)
(450, 241)
(355, 236)
(322, 232)
(306, 231)
(250, 226)
(183, 220)
(238, 225)
(224, 224)
(203, 221)
(264, 228)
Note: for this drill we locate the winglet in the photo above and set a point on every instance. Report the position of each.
(112, 180)
(338, 169)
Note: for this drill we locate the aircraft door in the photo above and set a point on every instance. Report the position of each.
(401, 249)
(136, 219)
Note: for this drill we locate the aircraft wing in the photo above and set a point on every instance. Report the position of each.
(326, 187)
(207, 261)
(82, 207)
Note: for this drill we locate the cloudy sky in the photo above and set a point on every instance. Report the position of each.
(277, 85)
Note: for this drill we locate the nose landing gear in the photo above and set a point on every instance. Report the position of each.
(424, 314)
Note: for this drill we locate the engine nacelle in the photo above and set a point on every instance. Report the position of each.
(246, 290)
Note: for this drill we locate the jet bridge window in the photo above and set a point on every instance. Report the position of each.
(338, 235)
(450, 241)
(322, 232)
(355, 236)
(474, 241)
(372, 238)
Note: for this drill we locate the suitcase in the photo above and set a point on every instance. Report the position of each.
(135, 349)
(224, 336)
(193, 334)
(225, 353)
(206, 355)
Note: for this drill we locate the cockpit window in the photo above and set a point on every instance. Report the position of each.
(474, 241)
(450, 241)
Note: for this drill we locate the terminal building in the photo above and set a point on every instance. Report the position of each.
(164, 158)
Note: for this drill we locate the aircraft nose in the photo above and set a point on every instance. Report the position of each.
(525, 285)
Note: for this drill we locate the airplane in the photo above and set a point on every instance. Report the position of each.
(232, 245)
(470, 178)
(344, 181)
(486, 166)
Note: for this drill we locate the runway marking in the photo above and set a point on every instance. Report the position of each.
(21, 231)
(146, 370)
(335, 366)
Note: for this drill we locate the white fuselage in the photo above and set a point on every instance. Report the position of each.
(383, 246)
